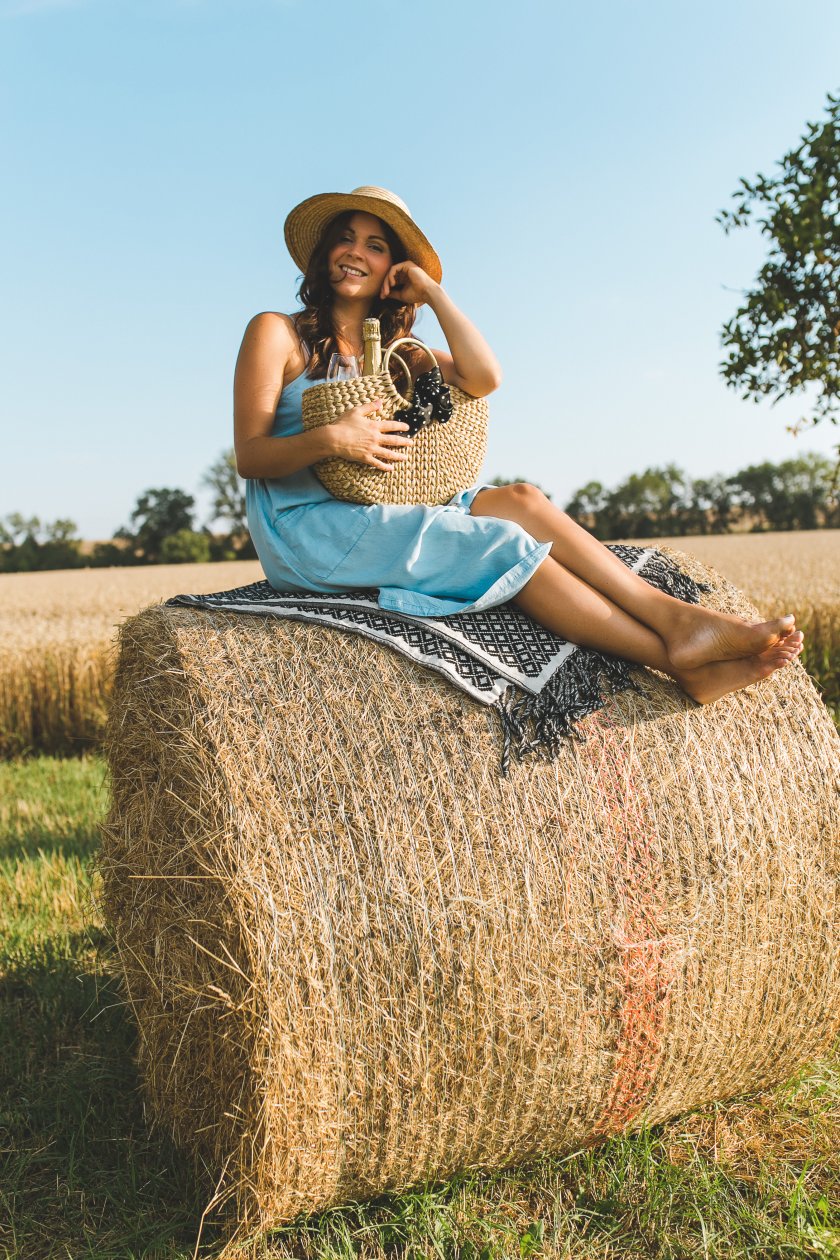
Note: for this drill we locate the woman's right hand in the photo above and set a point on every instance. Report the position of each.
(362, 437)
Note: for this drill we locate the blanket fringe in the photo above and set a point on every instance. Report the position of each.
(582, 684)
(662, 573)
(538, 723)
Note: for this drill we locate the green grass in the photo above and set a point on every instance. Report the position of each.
(823, 664)
(81, 1176)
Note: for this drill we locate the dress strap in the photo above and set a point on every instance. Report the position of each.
(307, 353)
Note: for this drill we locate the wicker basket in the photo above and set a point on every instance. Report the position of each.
(444, 459)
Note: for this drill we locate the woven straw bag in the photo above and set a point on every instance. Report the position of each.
(444, 459)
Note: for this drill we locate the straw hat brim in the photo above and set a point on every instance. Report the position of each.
(306, 222)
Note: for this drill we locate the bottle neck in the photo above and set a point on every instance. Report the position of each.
(373, 347)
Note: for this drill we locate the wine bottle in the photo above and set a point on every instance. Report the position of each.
(373, 348)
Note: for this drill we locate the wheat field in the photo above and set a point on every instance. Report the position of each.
(57, 644)
(796, 572)
(57, 629)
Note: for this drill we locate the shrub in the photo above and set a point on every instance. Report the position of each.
(185, 546)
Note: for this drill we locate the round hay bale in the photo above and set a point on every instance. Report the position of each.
(359, 959)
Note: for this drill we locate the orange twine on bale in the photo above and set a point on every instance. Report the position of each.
(647, 962)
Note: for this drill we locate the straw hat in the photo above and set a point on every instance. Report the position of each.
(305, 224)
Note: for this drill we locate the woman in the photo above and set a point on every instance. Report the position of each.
(362, 254)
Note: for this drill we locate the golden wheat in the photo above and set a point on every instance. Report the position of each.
(796, 572)
(56, 637)
(57, 629)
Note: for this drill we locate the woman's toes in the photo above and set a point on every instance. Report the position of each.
(710, 682)
(788, 647)
(776, 630)
(719, 637)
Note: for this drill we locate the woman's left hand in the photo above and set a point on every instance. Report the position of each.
(407, 282)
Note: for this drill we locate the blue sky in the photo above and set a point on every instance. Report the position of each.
(566, 160)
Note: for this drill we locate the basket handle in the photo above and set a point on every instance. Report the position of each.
(387, 356)
(399, 359)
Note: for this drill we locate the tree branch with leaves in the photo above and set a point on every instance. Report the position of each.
(785, 337)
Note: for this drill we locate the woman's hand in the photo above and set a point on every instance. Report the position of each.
(364, 438)
(407, 282)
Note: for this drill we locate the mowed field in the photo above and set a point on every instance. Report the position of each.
(57, 629)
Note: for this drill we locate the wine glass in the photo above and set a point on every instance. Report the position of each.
(343, 367)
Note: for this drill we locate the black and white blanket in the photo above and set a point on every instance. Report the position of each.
(539, 684)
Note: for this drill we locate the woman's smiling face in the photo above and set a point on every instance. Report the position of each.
(361, 258)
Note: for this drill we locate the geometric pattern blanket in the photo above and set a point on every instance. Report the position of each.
(539, 685)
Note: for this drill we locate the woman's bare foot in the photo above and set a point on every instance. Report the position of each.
(701, 636)
(718, 678)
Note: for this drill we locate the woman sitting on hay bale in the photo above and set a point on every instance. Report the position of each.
(362, 255)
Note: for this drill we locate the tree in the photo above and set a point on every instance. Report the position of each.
(647, 504)
(710, 507)
(228, 493)
(802, 491)
(754, 491)
(27, 545)
(784, 338)
(16, 528)
(158, 514)
(790, 495)
(186, 546)
(110, 554)
(19, 538)
(587, 506)
(228, 504)
(60, 549)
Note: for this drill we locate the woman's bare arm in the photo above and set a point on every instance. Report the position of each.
(358, 435)
(450, 373)
(266, 348)
(472, 365)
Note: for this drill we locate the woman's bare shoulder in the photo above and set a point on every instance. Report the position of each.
(271, 344)
(274, 326)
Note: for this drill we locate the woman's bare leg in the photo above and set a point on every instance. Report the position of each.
(692, 636)
(565, 604)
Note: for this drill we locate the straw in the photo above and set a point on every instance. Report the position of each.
(358, 959)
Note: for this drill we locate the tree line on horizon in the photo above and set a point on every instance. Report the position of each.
(162, 529)
(657, 503)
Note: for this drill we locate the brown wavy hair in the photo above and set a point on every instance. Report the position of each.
(314, 323)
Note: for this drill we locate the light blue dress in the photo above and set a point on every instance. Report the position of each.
(425, 561)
